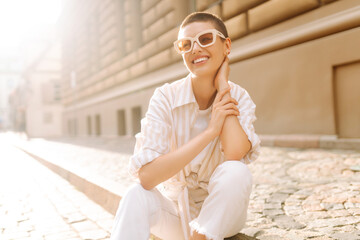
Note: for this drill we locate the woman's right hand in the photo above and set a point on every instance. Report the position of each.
(223, 106)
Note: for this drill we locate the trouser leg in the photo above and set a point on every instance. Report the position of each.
(224, 211)
(140, 211)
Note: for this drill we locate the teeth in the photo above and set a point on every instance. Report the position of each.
(200, 59)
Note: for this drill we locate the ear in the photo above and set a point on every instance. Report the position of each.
(227, 46)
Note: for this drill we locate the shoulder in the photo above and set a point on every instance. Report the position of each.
(237, 91)
(167, 92)
(171, 88)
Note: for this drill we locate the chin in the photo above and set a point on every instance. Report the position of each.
(202, 72)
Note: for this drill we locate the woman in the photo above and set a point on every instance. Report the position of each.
(194, 142)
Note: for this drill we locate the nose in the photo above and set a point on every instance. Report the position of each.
(196, 47)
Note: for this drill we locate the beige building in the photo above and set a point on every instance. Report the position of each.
(39, 95)
(298, 59)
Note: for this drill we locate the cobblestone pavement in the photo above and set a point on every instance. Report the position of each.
(37, 204)
(297, 193)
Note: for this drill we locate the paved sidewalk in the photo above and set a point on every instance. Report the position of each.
(37, 204)
(297, 193)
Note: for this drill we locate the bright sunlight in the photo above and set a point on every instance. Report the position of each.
(24, 19)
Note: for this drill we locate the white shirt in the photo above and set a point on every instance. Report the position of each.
(168, 124)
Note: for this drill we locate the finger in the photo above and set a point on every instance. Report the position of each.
(228, 100)
(220, 94)
(231, 112)
(230, 106)
(223, 92)
(234, 100)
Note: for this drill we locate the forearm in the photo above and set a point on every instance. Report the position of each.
(233, 138)
(166, 166)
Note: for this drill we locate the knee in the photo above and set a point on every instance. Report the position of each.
(135, 193)
(232, 177)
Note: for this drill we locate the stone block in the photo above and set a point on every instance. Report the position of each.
(166, 40)
(130, 59)
(127, 19)
(214, 10)
(157, 28)
(147, 4)
(109, 58)
(181, 9)
(115, 67)
(127, 7)
(160, 60)
(273, 12)
(148, 50)
(129, 46)
(170, 20)
(109, 21)
(101, 75)
(138, 69)
(103, 12)
(203, 4)
(128, 33)
(109, 82)
(145, 35)
(148, 17)
(163, 7)
(231, 8)
(109, 46)
(236, 26)
(98, 86)
(122, 76)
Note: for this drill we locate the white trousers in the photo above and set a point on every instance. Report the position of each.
(223, 213)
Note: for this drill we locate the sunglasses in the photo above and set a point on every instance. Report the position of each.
(204, 39)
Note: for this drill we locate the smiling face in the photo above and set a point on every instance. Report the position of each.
(203, 62)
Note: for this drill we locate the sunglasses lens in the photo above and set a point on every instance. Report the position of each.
(206, 39)
(184, 45)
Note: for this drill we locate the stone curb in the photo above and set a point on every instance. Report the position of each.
(310, 141)
(101, 195)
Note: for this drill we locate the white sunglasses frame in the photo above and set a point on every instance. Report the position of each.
(196, 39)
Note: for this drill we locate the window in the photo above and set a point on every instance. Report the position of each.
(75, 126)
(97, 125)
(121, 122)
(136, 118)
(89, 127)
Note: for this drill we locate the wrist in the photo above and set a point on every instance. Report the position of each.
(210, 133)
(223, 85)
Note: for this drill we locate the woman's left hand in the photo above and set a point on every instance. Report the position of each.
(221, 78)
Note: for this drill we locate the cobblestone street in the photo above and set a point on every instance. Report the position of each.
(297, 193)
(37, 204)
(300, 194)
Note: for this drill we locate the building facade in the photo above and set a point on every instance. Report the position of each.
(298, 59)
(37, 101)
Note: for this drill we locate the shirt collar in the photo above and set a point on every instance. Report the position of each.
(184, 94)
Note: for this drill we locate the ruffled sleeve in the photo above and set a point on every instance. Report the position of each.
(155, 136)
(246, 119)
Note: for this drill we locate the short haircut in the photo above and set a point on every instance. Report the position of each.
(206, 17)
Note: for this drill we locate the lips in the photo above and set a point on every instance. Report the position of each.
(200, 59)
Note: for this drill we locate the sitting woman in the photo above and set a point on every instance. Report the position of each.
(195, 141)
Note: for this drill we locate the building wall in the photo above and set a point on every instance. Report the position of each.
(43, 116)
(284, 52)
(43, 108)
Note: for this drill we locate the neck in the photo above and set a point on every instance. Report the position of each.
(204, 90)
